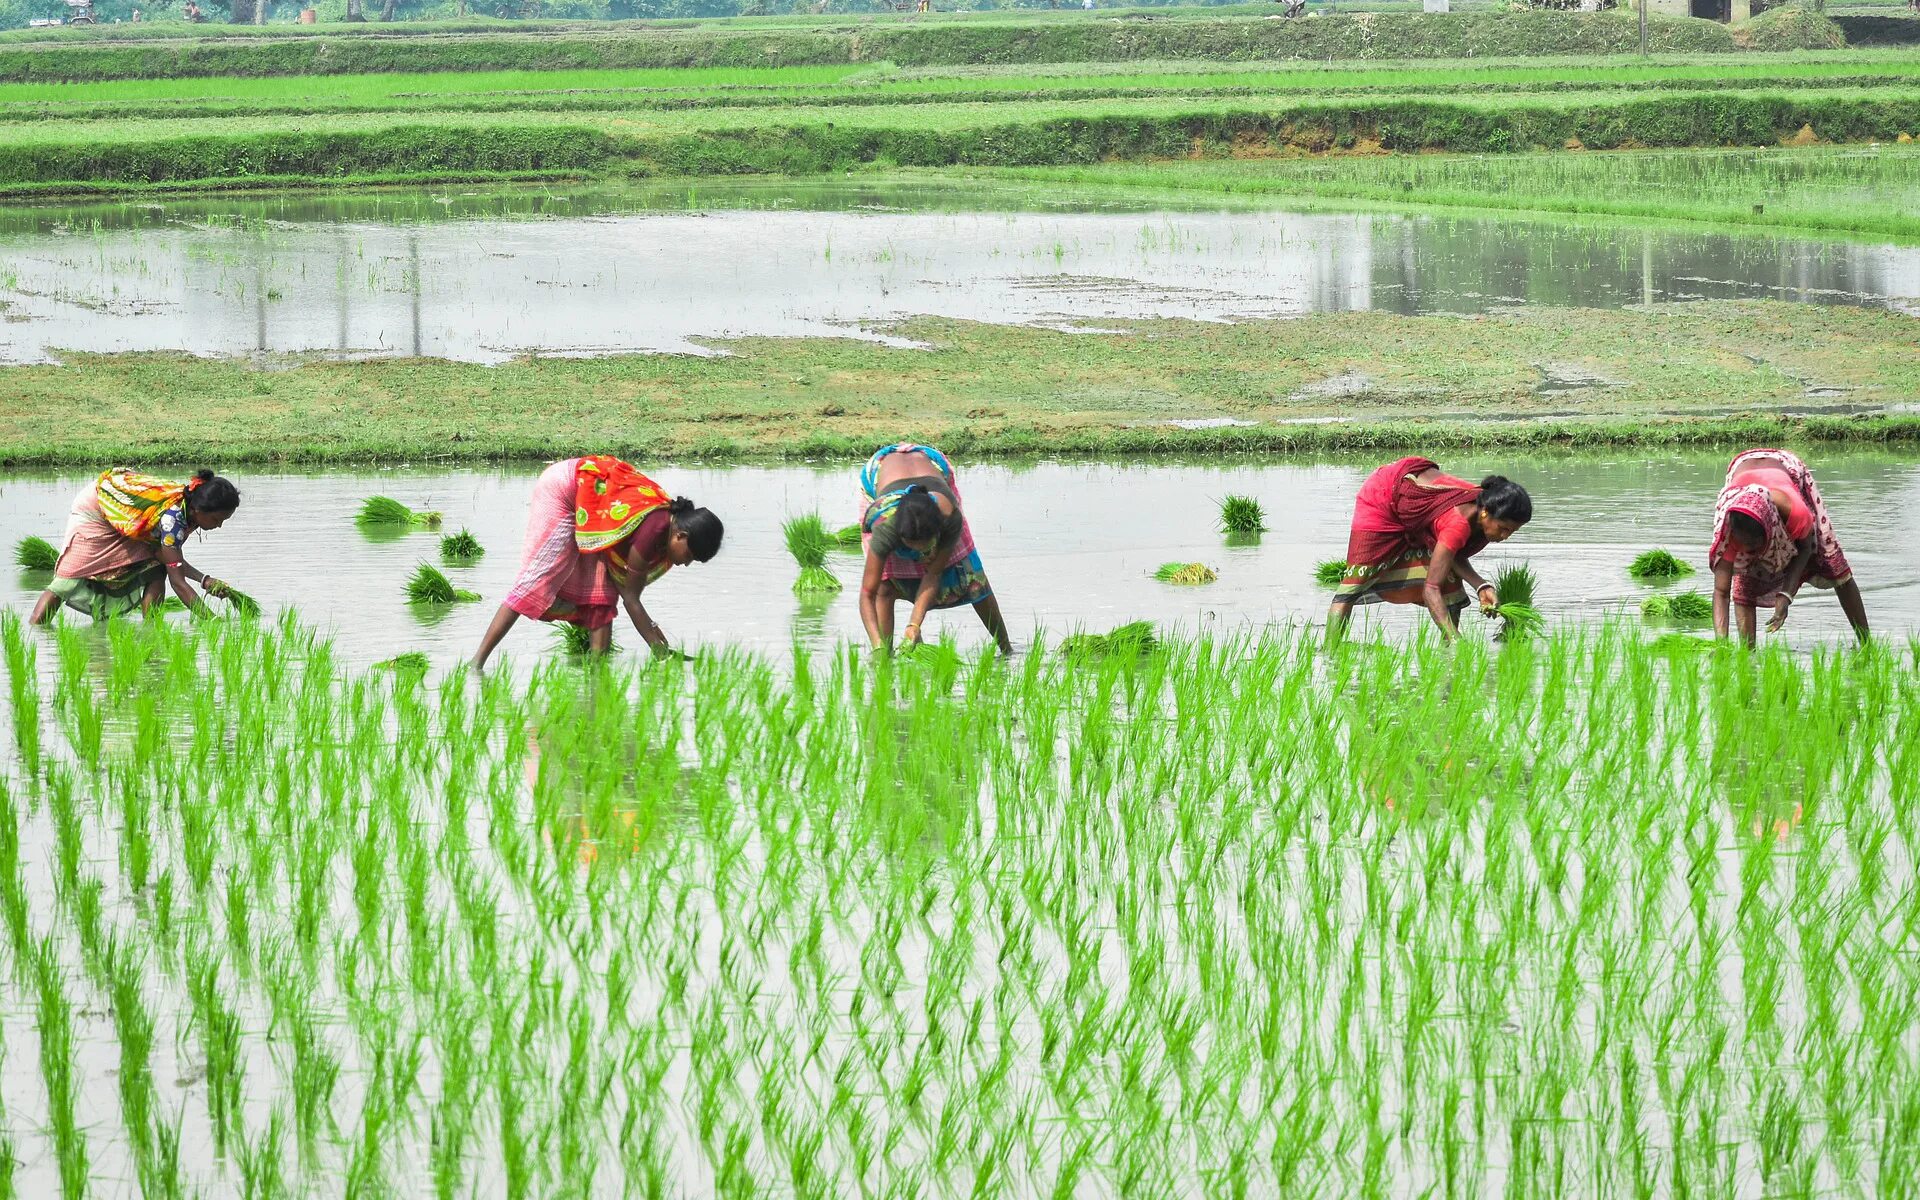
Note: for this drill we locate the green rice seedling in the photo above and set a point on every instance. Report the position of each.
(410, 663)
(386, 512)
(35, 554)
(808, 541)
(461, 549)
(1330, 572)
(1688, 607)
(1658, 564)
(428, 586)
(1134, 639)
(848, 537)
(576, 639)
(1513, 589)
(1185, 574)
(1242, 514)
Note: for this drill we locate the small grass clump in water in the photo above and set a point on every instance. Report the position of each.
(35, 554)
(1658, 564)
(1329, 572)
(1133, 639)
(1513, 591)
(577, 639)
(1682, 607)
(1242, 514)
(808, 541)
(1185, 574)
(384, 512)
(461, 549)
(428, 586)
(411, 663)
(848, 537)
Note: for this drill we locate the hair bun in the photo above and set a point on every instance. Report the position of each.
(1494, 481)
(679, 505)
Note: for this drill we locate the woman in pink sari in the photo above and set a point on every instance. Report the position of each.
(1771, 534)
(599, 532)
(125, 544)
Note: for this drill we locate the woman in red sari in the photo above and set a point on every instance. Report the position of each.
(1415, 532)
(1771, 534)
(600, 532)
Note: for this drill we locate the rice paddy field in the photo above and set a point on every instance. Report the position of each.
(1200, 916)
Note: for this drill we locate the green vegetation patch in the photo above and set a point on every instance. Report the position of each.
(1658, 564)
(35, 554)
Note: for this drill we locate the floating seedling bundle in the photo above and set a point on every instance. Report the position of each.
(1242, 514)
(848, 537)
(1185, 574)
(1330, 572)
(1130, 640)
(1689, 607)
(274, 926)
(35, 554)
(461, 549)
(1658, 565)
(428, 586)
(808, 541)
(384, 512)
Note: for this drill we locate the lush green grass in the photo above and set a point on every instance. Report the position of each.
(1576, 916)
(1853, 189)
(992, 387)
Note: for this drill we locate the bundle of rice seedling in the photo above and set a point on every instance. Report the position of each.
(242, 603)
(1133, 639)
(576, 639)
(1329, 572)
(35, 554)
(1186, 574)
(429, 586)
(847, 537)
(808, 542)
(1658, 564)
(412, 662)
(1513, 591)
(378, 512)
(1683, 607)
(1680, 643)
(1242, 514)
(461, 549)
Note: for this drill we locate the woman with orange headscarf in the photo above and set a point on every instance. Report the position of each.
(599, 533)
(125, 543)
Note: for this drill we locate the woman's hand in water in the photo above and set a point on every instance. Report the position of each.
(1780, 608)
(1489, 599)
(910, 636)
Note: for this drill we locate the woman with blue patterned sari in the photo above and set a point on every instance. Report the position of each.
(918, 545)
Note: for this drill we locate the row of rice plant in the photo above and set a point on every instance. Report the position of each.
(1163, 916)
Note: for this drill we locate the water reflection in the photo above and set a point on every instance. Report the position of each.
(485, 276)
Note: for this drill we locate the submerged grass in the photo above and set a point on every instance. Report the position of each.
(1187, 574)
(35, 554)
(1499, 916)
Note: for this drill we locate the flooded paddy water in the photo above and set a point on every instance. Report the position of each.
(1068, 544)
(485, 275)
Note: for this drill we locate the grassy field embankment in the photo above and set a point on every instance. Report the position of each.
(969, 39)
(1725, 372)
(70, 151)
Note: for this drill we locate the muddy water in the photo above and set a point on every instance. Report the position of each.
(485, 276)
(1067, 545)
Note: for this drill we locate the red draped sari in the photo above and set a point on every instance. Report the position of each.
(1398, 522)
(591, 518)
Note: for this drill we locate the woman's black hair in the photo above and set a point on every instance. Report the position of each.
(212, 493)
(918, 517)
(1504, 500)
(702, 528)
(1747, 526)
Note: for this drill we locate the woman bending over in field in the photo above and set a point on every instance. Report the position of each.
(1770, 535)
(124, 542)
(600, 531)
(1415, 532)
(919, 547)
